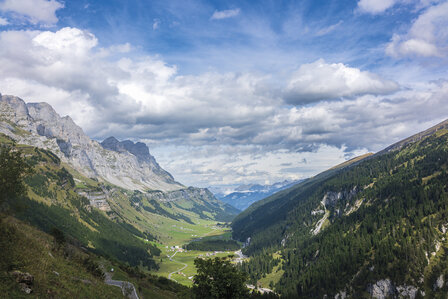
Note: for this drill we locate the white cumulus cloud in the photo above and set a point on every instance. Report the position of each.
(3, 22)
(428, 35)
(225, 14)
(375, 6)
(322, 81)
(210, 127)
(34, 11)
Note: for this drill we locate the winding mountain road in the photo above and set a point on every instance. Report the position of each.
(124, 285)
(178, 270)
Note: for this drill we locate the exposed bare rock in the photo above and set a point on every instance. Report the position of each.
(331, 198)
(439, 282)
(187, 193)
(138, 149)
(341, 295)
(129, 166)
(381, 289)
(406, 291)
(25, 280)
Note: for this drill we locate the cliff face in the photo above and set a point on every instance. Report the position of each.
(125, 164)
(138, 149)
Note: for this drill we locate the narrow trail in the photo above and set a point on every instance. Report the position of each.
(124, 285)
(184, 265)
(178, 270)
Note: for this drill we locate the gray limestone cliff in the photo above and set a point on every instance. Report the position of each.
(125, 164)
(138, 149)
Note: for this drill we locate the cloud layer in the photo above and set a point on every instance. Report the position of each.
(290, 117)
(225, 14)
(107, 93)
(375, 6)
(428, 35)
(33, 11)
(319, 81)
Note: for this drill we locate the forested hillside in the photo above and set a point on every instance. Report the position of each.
(377, 226)
(103, 218)
(51, 202)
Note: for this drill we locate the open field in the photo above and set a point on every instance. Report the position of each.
(169, 265)
(188, 258)
(274, 276)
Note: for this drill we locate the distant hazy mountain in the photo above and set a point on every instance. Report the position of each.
(245, 195)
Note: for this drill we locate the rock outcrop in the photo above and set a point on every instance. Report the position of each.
(138, 149)
(187, 193)
(385, 288)
(25, 280)
(406, 291)
(125, 164)
(382, 289)
(439, 282)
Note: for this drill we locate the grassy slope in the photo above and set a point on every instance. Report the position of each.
(29, 250)
(275, 275)
(167, 266)
(54, 203)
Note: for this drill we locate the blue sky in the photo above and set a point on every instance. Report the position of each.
(184, 34)
(232, 92)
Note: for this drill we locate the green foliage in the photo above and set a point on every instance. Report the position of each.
(13, 168)
(59, 237)
(145, 280)
(93, 267)
(218, 278)
(111, 239)
(57, 273)
(69, 216)
(161, 211)
(259, 265)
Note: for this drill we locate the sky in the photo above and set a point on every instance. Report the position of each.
(234, 92)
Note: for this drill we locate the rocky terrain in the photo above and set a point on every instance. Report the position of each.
(125, 164)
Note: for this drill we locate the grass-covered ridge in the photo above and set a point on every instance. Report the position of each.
(52, 202)
(128, 227)
(64, 270)
(58, 272)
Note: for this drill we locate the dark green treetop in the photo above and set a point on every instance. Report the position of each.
(218, 278)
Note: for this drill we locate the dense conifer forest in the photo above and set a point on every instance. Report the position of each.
(382, 218)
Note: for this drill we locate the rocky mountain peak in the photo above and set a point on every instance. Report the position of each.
(51, 125)
(125, 164)
(112, 143)
(138, 149)
(14, 105)
(43, 111)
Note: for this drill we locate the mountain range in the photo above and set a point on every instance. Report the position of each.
(245, 195)
(108, 196)
(124, 164)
